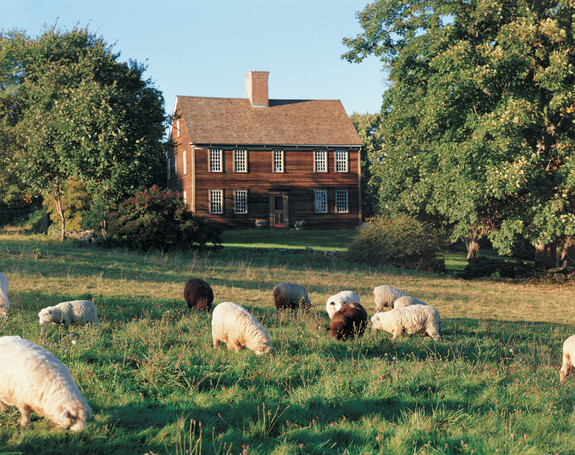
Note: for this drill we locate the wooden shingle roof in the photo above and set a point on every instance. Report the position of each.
(234, 121)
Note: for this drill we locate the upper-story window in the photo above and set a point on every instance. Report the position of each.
(217, 201)
(175, 164)
(184, 161)
(216, 160)
(321, 201)
(341, 161)
(241, 201)
(278, 161)
(240, 161)
(320, 160)
(341, 201)
(185, 196)
(178, 127)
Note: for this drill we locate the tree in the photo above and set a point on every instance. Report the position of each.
(78, 112)
(478, 122)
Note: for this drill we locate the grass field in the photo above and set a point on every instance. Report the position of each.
(157, 386)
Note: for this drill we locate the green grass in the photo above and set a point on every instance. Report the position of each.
(157, 386)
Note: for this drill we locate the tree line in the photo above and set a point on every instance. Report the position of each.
(477, 129)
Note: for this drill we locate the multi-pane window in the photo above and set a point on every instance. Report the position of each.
(241, 201)
(216, 160)
(185, 160)
(217, 201)
(278, 160)
(320, 201)
(175, 164)
(341, 161)
(169, 167)
(341, 201)
(320, 160)
(185, 196)
(178, 127)
(240, 161)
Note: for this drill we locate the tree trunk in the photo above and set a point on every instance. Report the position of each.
(45, 220)
(58, 202)
(472, 249)
(546, 255)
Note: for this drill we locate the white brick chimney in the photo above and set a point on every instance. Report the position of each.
(257, 88)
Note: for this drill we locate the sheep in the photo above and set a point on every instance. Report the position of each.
(5, 304)
(75, 312)
(410, 319)
(384, 296)
(406, 301)
(568, 356)
(291, 296)
(198, 294)
(237, 327)
(34, 380)
(335, 302)
(348, 322)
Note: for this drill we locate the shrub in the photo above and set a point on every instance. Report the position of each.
(398, 240)
(157, 219)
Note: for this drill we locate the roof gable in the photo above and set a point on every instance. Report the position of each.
(284, 122)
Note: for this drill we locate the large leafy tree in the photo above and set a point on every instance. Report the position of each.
(478, 122)
(77, 112)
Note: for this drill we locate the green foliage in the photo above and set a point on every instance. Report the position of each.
(73, 110)
(479, 120)
(158, 219)
(397, 240)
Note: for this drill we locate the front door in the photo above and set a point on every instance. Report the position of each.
(279, 211)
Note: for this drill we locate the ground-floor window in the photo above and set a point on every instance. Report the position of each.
(241, 201)
(217, 201)
(341, 201)
(320, 201)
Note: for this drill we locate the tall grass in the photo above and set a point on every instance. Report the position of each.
(157, 386)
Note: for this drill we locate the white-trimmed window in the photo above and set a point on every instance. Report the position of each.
(185, 160)
(341, 201)
(241, 201)
(320, 201)
(169, 167)
(341, 161)
(175, 164)
(320, 160)
(217, 201)
(216, 160)
(185, 196)
(278, 160)
(178, 127)
(240, 160)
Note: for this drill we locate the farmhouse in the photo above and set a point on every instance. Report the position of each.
(239, 160)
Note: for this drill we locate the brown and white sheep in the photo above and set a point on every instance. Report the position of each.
(290, 296)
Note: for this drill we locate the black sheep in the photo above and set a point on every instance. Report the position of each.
(198, 294)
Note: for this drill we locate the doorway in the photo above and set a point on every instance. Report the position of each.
(279, 211)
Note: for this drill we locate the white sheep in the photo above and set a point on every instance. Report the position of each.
(290, 296)
(237, 327)
(410, 319)
(5, 304)
(34, 380)
(75, 312)
(384, 296)
(568, 356)
(406, 301)
(335, 302)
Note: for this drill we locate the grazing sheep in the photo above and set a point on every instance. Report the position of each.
(384, 297)
(5, 304)
(348, 322)
(568, 356)
(410, 319)
(237, 327)
(406, 301)
(34, 380)
(75, 312)
(198, 294)
(291, 296)
(335, 302)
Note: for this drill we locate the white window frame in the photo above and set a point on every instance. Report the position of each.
(241, 202)
(169, 167)
(175, 164)
(240, 160)
(216, 160)
(341, 201)
(320, 197)
(184, 154)
(216, 202)
(320, 160)
(178, 127)
(341, 161)
(278, 161)
(185, 196)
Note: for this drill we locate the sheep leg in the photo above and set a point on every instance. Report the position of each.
(25, 419)
(566, 368)
(4, 407)
(216, 343)
(236, 347)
